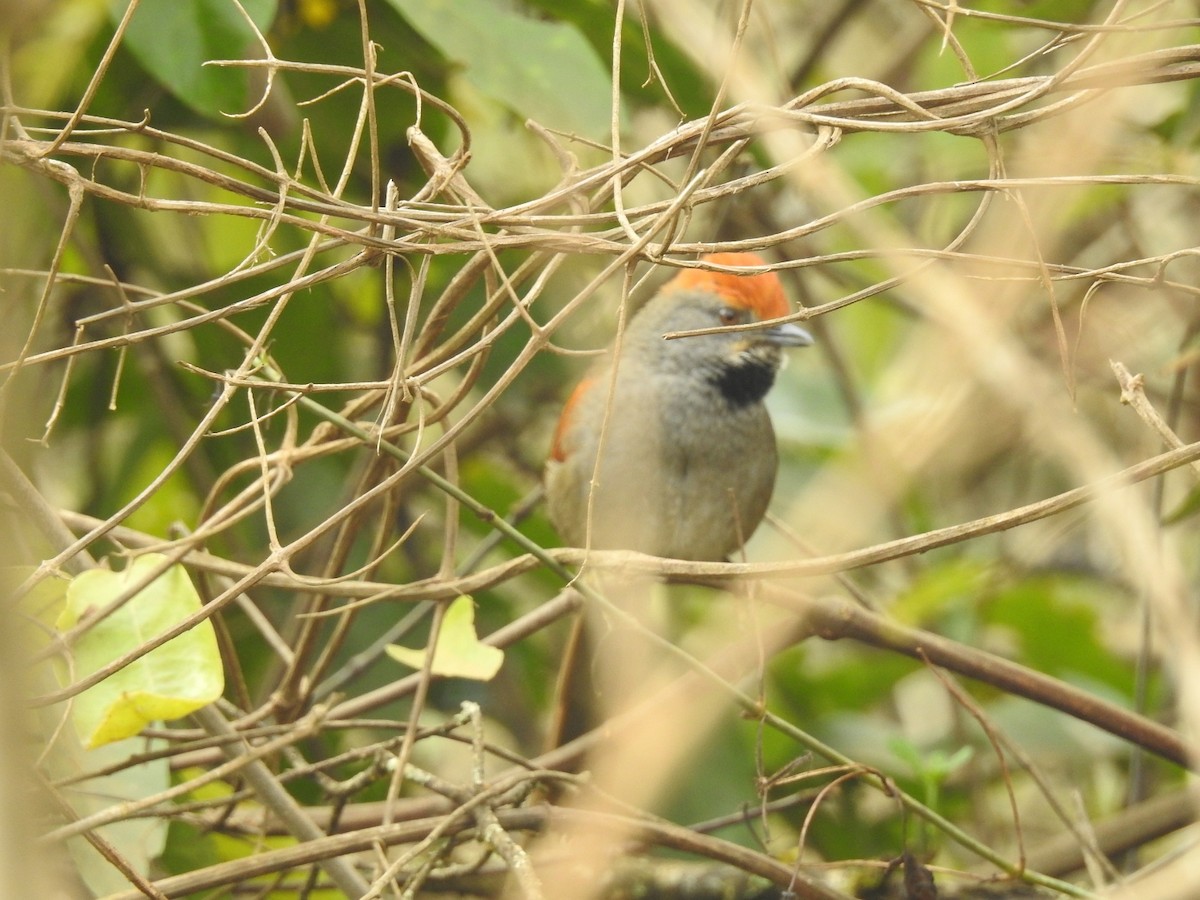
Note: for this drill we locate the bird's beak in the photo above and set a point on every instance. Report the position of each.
(786, 334)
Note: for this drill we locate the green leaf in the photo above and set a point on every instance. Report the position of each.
(138, 840)
(170, 681)
(1055, 619)
(933, 765)
(64, 31)
(459, 652)
(688, 84)
(545, 71)
(173, 39)
(939, 588)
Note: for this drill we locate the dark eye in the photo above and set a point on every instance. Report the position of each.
(727, 315)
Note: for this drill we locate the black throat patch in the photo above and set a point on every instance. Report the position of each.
(744, 382)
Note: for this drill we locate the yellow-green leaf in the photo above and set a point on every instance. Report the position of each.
(459, 652)
(169, 682)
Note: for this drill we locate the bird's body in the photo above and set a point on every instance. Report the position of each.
(686, 447)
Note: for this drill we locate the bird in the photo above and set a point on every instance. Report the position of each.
(666, 447)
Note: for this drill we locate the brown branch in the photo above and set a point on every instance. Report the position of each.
(839, 619)
(1125, 830)
(716, 574)
(647, 831)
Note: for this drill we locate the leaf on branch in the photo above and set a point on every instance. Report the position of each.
(169, 682)
(459, 652)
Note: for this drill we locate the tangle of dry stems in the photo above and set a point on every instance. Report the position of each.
(413, 433)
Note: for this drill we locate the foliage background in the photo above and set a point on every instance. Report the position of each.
(973, 262)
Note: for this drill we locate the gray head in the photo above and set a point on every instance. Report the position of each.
(740, 364)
